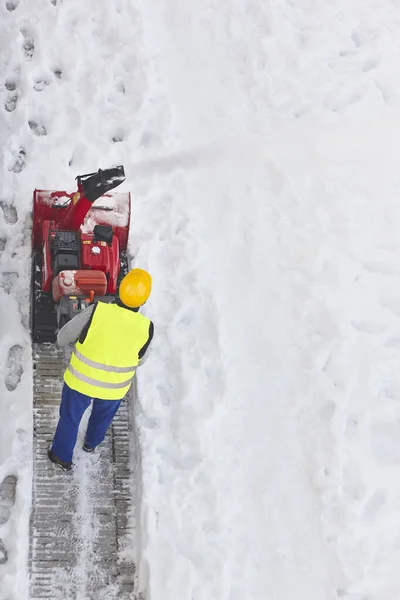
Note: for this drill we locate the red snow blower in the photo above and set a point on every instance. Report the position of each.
(79, 243)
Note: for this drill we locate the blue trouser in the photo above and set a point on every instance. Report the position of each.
(73, 405)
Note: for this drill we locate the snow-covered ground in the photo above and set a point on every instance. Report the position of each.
(260, 143)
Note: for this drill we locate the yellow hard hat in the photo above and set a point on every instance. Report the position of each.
(135, 288)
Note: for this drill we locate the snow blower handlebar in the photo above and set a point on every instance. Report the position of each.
(90, 187)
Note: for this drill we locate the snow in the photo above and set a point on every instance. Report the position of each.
(113, 210)
(260, 144)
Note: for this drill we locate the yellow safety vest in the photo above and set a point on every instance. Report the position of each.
(104, 365)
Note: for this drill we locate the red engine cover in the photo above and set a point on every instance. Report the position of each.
(95, 255)
(102, 257)
(79, 283)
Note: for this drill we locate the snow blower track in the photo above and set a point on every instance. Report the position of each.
(82, 521)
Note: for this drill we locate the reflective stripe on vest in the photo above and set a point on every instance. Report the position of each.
(104, 365)
(103, 384)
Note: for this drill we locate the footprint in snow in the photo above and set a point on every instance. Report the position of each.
(119, 137)
(11, 95)
(9, 212)
(357, 38)
(19, 163)
(10, 6)
(3, 553)
(120, 87)
(2, 245)
(7, 500)
(37, 128)
(28, 44)
(371, 63)
(14, 368)
(40, 85)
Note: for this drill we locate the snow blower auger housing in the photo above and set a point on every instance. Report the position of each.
(79, 243)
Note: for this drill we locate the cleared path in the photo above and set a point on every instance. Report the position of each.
(82, 522)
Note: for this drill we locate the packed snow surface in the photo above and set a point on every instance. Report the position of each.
(260, 142)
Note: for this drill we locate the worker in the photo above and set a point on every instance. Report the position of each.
(111, 341)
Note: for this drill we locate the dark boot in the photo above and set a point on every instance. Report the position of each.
(66, 466)
(87, 449)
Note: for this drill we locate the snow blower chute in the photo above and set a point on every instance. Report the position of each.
(79, 243)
